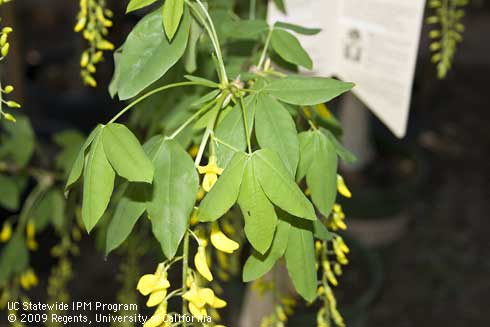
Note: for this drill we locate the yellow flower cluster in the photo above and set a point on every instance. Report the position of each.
(336, 219)
(93, 22)
(4, 50)
(199, 298)
(28, 279)
(329, 311)
(281, 312)
(156, 285)
(221, 242)
(211, 172)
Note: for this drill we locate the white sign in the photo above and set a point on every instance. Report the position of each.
(372, 43)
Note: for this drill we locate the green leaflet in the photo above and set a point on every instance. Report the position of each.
(49, 209)
(225, 192)
(9, 193)
(288, 47)
(258, 212)
(279, 185)
(115, 76)
(347, 156)
(231, 130)
(70, 142)
(305, 154)
(280, 5)
(300, 259)
(138, 4)
(321, 232)
(190, 55)
(298, 29)
(125, 154)
(246, 29)
(257, 264)
(302, 90)
(17, 144)
(76, 170)
(172, 14)
(14, 258)
(202, 81)
(275, 130)
(128, 210)
(147, 54)
(98, 184)
(321, 176)
(174, 193)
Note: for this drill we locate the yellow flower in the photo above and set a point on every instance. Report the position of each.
(158, 318)
(221, 242)
(31, 233)
(198, 298)
(342, 188)
(6, 232)
(211, 172)
(201, 263)
(155, 285)
(28, 279)
(323, 111)
(337, 220)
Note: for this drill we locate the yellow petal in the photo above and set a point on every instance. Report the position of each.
(221, 242)
(201, 263)
(342, 188)
(209, 181)
(207, 295)
(199, 313)
(30, 230)
(193, 295)
(156, 298)
(218, 303)
(147, 284)
(157, 319)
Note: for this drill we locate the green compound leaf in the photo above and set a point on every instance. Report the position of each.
(321, 232)
(321, 176)
(288, 47)
(225, 192)
(275, 130)
(300, 90)
(279, 185)
(257, 264)
(70, 142)
(300, 259)
(298, 29)
(76, 170)
(98, 183)
(147, 54)
(138, 4)
(172, 14)
(17, 144)
(347, 156)
(50, 208)
(125, 154)
(280, 5)
(174, 193)
(258, 212)
(128, 210)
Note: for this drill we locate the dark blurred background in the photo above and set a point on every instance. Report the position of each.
(420, 211)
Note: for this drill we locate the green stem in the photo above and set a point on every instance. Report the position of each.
(207, 22)
(244, 112)
(252, 9)
(144, 96)
(185, 267)
(194, 116)
(210, 128)
(266, 47)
